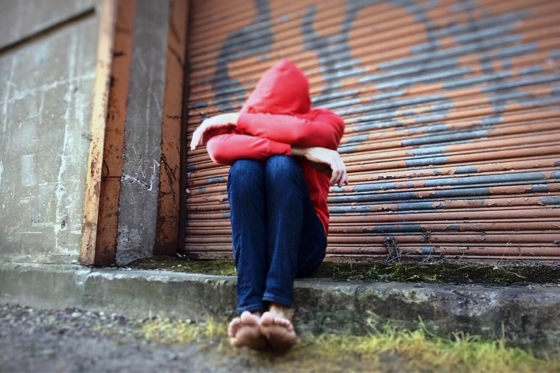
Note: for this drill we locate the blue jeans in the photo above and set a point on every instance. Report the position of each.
(276, 233)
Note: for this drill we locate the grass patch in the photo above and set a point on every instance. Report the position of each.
(182, 332)
(381, 350)
(401, 272)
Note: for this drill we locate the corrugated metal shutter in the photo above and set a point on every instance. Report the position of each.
(452, 112)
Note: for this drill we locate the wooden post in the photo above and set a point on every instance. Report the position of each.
(108, 218)
(107, 22)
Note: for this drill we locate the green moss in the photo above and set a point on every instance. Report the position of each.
(381, 350)
(402, 272)
(439, 273)
(208, 267)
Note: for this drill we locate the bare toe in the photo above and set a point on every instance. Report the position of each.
(278, 331)
(247, 318)
(246, 332)
(233, 327)
(284, 322)
(267, 319)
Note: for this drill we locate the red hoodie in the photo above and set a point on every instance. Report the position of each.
(276, 116)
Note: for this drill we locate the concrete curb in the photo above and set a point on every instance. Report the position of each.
(528, 315)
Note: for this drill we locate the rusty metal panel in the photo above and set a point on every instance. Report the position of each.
(452, 110)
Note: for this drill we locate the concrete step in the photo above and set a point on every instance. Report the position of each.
(526, 315)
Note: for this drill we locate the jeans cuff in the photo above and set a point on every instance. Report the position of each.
(268, 297)
(251, 307)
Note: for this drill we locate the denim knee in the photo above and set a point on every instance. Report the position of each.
(280, 168)
(246, 174)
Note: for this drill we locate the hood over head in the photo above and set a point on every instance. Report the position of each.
(283, 89)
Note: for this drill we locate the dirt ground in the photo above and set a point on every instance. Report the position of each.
(72, 340)
(76, 341)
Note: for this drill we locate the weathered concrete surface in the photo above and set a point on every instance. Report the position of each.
(45, 114)
(138, 202)
(22, 18)
(135, 293)
(527, 314)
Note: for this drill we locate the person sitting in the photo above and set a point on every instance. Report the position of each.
(283, 156)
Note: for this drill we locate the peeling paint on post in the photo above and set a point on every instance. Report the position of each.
(98, 122)
(106, 247)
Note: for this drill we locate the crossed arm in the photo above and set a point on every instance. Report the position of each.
(264, 135)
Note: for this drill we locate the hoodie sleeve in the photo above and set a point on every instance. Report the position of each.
(324, 130)
(228, 148)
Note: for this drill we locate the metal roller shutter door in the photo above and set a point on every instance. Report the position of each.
(452, 111)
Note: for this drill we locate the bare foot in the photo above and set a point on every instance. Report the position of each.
(245, 331)
(277, 327)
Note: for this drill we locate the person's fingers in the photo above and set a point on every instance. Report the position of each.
(340, 169)
(198, 135)
(337, 173)
(334, 167)
(344, 176)
(334, 175)
(331, 160)
(195, 139)
(341, 178)
(333, 179)
(342, 172)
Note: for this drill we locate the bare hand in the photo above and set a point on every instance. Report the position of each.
(213, 126)
(323, 156)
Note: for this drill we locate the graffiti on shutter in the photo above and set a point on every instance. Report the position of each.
(452, 113)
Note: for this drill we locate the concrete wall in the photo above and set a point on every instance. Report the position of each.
(20, 19)
(47, 67)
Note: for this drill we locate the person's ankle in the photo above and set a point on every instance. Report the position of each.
(280, 310)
